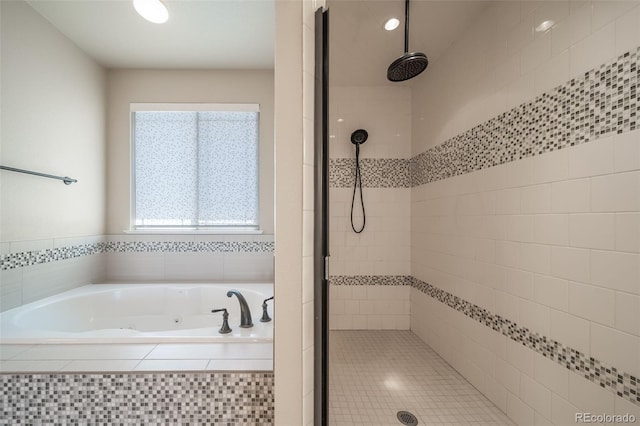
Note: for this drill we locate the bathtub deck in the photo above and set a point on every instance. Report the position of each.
(137, 357)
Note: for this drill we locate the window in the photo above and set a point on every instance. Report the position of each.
(195, 166)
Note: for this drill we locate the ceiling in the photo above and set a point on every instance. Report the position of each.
(239, 34)
(361, 50)
(225, 34)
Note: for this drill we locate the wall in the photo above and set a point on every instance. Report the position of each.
(524, 209)
(294, 192)
(186, 257)
(53, 98)
(166, 86)
(370, 270)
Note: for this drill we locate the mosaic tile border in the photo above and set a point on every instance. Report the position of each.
(155, 398)
(190, 246)
(393, 280)
(606, 376)
(603, 101)
(30, 258)
(376, 172)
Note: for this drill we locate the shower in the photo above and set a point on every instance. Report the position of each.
(410, 64)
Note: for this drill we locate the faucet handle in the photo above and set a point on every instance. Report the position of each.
(225, 321)
(265, 314)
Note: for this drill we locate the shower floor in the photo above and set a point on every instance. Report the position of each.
(373, 374)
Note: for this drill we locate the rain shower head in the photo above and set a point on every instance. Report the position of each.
(408, 65)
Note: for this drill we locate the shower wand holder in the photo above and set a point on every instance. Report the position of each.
(359, 137)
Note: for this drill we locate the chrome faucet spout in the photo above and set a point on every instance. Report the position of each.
(245, 312)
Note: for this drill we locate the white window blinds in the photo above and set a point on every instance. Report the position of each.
(195, 168)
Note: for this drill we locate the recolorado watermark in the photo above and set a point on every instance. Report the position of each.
(605, 418)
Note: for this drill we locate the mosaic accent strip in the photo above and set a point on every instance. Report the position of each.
(119, 399)
(606, 376)
(29, 258)
(376, 172)
(190, 246)
(601, 102)
(370, 280)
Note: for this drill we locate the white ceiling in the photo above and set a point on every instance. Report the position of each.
(227, 34)
(239, 34)
(361, 50)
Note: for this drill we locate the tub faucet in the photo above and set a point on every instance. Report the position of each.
(265, 314)
(245, 312)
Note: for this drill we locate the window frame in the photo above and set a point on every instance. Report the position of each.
(177, 229)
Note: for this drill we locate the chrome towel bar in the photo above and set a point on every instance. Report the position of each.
(66, 179)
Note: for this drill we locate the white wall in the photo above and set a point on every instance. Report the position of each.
(549, 242)
(288, 361)
(294, 214)
(53, 122)
(166, 86)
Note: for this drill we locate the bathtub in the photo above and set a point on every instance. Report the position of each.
(138, 313)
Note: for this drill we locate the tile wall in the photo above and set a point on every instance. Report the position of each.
(32, 270)
(541, 230)
(363, 296)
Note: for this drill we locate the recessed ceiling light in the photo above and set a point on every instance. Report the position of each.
(152, 10)
(340, 120)
(544, 26)
(391, 24)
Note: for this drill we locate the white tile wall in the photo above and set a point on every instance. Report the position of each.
(369, 307)
(383, 247)
(26, 284)
(30, 283)
(558, 249)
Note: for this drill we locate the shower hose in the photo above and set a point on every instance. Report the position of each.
(357, 184)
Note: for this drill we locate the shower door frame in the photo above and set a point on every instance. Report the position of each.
(321, 220)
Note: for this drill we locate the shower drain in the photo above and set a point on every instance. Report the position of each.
(406, 418)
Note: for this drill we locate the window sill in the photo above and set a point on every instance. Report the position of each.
(169, 231)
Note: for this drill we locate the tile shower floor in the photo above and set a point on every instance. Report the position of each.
(376, 373)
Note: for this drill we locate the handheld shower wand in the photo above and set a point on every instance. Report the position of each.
(358, 137)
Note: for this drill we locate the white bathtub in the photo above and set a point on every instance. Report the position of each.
(138, 313)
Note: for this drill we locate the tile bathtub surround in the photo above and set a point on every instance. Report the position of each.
(32, 270)
(135, 357)
(622, 384)
(601, 102)
(29, 258)
(150, 398)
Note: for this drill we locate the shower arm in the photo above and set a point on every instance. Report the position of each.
(66, 179)
(406, 26)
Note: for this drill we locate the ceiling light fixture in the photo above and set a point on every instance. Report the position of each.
(391, 24)
(544, 26)
(152, 10)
